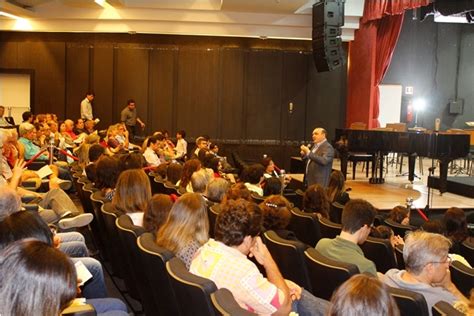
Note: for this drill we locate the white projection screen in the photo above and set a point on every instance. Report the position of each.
(390, 103)
(15, 94)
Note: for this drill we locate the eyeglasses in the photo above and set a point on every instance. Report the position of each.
(448, 260)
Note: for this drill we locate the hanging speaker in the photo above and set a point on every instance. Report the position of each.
(328, 17)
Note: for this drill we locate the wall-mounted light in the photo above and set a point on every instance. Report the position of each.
(101, 2)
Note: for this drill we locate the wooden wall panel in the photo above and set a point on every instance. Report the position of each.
(197, 94)
(9, 55)
(103, 85)
(77, 78)
(131, 81)
(48, 59)
(293, 88)
(263, 99)
(162, 78)
(231, 91)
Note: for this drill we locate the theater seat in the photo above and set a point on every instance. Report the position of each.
(397, 228)
(335, 212)
(154, 260)
(409, 303)
(443, 308)
(192, 292)
(462, 276)
(305, 226)
(380, 252)
(326, 274)
(329, 229)
(289, 256)
(225, 304)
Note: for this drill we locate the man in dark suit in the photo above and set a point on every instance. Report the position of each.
(319, 159)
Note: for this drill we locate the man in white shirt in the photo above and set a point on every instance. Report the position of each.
(150, 153)
(86, 106)
(181, 145)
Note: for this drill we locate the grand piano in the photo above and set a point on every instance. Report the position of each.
(442, 146)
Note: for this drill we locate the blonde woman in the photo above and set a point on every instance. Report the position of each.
(132, 194)
(187, 227)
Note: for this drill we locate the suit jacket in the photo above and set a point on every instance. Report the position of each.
(320, 164)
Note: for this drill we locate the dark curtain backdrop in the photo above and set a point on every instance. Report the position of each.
(373, 48)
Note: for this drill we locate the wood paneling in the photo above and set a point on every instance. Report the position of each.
(77, 78)
(197, 94)
(131, 79)
(103, 85)
(263, 94)
(231, 91)
(48, 61)
(9, 55)
(293, 87)
(162, 78)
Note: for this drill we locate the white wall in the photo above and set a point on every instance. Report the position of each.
(390, 104)
(15, 94)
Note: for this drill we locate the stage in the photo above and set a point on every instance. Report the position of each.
(397, 189)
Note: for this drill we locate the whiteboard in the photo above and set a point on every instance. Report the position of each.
(15, 94)
(390, 103)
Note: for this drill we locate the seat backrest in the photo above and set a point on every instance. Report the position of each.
(169, 188)
(399, 257)
(409, 302)
(128, 233)
(335, 212)
(257, 198)
(154, 260)
(329, 229)
(112, 236)
(379, 251)
(225, 304)
(398, 228)
(462, 276)
(289, 256)
(443, 308)
(305, 226)
(212, 212)
(467, 251)
(326, 274)
(192, 291)
(157, 185)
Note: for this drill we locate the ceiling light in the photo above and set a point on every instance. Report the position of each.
(100, 2)
(9, 15)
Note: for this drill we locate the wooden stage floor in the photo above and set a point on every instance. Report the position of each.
(397, 189)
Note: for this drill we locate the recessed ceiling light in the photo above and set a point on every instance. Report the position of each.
(100, 2)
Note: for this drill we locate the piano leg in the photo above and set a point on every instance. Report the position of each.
(443, 176)
(411, 167)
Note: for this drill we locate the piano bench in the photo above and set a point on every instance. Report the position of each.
(355, 158)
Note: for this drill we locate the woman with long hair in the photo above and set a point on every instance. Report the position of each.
(190, 166)
(336, 190)
(187, 227)
(157, 212)
(316, 201)
(133, 192)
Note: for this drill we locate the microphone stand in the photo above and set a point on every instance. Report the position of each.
(429, 199)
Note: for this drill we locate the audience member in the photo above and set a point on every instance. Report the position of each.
(357, 220)
(362, 295)
(186, 228)
(173, 173)
(157, 212)
(150, 153)
(216, 189)
(189, 168)
(40, 280)
(253, 178)
(107, 173)
(181, 148)
(224, 261)
(277, 216)
(316, 201)
(336, 190)
(271, 186)
(427, 269)
(238, 191)
(456, 229)
(133, 192)
(400, 214)
(200, 180)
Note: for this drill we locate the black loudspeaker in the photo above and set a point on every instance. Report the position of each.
(328, 17)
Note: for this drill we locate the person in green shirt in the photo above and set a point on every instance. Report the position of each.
(357, 219)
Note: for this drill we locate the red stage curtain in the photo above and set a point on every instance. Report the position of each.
(377, 37)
